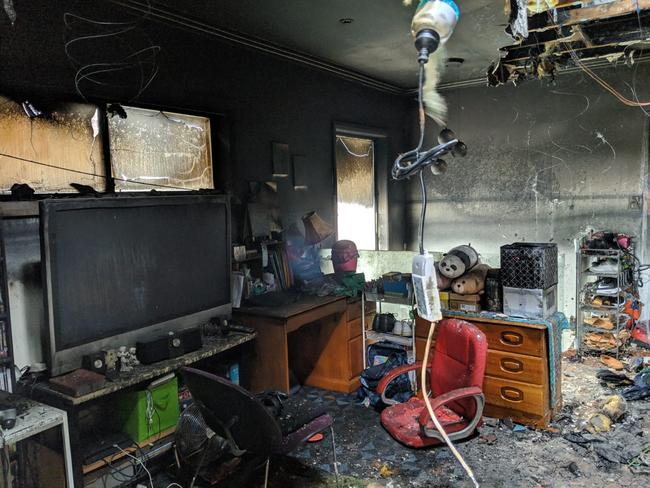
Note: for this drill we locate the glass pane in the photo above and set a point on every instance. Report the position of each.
(161, 150)
(355, 191)
(61, 148)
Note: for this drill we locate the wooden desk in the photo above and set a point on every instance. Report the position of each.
(327, 355)
(140, 374)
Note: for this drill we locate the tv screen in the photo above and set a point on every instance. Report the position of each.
(115, 265)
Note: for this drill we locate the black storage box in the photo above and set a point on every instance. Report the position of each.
(529, 265)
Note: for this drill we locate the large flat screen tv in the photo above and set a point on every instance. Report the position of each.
(121, 269)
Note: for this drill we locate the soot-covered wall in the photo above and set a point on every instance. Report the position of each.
(265, 98)
(545, 163)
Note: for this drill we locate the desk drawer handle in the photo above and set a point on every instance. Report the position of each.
(512, 365)
(512, 338)
(512, 394)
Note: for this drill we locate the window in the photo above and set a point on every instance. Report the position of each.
(161, 150)
(355, 191)
(48, 153)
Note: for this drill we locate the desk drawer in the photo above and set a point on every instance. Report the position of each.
(354, 328)
(519, 340)
(518, 367)
(515, 395)
(354, 309)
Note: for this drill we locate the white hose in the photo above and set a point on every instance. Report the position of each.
(436, 422)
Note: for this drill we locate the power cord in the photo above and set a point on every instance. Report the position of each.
(138, 461)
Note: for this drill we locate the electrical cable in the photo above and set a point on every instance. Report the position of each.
(140, 63)
(432, 414)
(86, 173)
(138, 461)
(423, 211)
(594, 76)
(406, 165)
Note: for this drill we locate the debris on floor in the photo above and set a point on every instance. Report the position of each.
(599, 439)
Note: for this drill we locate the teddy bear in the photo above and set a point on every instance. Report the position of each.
(458, 261)
(442, 281)
(472, 282)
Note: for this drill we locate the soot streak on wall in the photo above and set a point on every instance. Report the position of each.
(266, 99)
(545, 163)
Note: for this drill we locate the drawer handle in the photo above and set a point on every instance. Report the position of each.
(512, 394)
(512, 365)
(512, 338)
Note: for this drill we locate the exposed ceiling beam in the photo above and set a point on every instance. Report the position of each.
(542, 22)
(267, 47)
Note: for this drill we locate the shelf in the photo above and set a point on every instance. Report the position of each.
(378, 297)
(593, 328)
(603, 274)
(603, 308)
(381, 336)
(165, 435)
(600, 252)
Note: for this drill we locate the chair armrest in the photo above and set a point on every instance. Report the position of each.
(394, 373)
(437, 402)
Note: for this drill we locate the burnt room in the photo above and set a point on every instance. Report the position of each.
(343, 243)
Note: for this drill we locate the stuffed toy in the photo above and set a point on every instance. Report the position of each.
(472, 282)
(458, 261)
(443, 282)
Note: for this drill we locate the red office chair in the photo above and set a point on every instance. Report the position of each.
(456, 371)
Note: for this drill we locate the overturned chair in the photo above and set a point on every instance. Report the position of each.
(251, 425)
(456, 369)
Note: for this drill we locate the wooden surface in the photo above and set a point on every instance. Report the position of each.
(303, 303)
(89, 468)
(211, 347)
(319, 338)
(517, 382)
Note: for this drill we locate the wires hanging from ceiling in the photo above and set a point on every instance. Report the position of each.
(113, 59)
(589, 72)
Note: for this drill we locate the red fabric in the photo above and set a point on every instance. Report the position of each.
(457, 367)
(401, 421)
(458, 361)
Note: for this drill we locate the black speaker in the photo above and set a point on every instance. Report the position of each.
(168, 346)
(95, 362)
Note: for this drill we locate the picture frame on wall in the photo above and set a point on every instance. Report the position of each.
(300, 177)
(281, 159)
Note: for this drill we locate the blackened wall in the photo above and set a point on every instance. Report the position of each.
(265, 98)
(545, 163)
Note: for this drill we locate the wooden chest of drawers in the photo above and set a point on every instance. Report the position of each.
(518, 372)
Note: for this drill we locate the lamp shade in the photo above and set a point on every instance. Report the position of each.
(316, 229)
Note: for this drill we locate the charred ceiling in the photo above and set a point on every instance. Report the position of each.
(570, 34)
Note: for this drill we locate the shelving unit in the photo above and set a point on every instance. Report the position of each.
(586, 291)
(7, 373)
(371, 335)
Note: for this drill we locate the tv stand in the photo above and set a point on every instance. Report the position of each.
(140, 374)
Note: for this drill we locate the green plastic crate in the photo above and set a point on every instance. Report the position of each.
(132, 411)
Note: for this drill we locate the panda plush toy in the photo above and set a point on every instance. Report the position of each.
(458, 261)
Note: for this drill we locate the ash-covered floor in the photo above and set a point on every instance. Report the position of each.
(503, 455)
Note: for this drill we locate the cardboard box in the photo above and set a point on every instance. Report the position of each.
(465, 303)
(530, 303)
(444, 299)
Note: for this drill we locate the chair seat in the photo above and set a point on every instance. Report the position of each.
(296, 414)
(401, 422)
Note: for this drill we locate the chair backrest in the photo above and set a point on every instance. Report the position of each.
(226, 405)
(458, 361)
